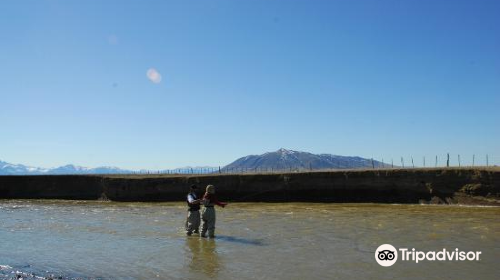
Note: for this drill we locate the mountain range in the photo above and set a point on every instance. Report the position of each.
(284, 159)
(281, 159)
(19, 169)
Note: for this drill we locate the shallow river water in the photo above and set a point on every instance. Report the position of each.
(106, 240)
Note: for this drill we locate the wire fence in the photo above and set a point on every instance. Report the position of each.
(448, 161)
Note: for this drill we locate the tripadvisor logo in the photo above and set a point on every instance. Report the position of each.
(387, 255)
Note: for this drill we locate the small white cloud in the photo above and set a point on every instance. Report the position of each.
(153, 75)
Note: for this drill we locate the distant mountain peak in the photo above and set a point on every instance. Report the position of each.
(284, 151)
(19, 169)
(285, 159)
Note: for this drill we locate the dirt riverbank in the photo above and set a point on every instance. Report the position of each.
(434, 185)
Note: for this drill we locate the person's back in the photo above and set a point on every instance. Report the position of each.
(208, 213)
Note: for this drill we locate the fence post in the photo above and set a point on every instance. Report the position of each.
(424, 161)
(487, 162)
(473, 159)
(412, 162)
(392, 163)
(436, 165)
(458, 160)
(402, 162)
(373, 165)
(448, 160)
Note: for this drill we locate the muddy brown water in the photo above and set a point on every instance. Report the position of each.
(106, 240)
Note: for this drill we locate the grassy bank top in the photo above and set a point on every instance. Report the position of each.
(387, 171)
(439, 170)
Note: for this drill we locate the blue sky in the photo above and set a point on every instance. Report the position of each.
(380, 79)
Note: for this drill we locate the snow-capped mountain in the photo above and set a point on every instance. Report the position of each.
(284, 159)
(72, 169)
(11, 169)
(19, 169)
(281, 159)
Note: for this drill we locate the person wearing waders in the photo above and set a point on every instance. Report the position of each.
(208, 213)
(193, 218)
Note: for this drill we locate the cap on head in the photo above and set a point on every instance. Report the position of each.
(210, 189)
(193, 187)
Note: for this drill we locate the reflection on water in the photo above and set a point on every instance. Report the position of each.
(203, 256)
(106, 240)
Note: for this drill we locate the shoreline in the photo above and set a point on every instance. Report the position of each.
(6, 201)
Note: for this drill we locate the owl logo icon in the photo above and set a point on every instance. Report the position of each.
(386, 255)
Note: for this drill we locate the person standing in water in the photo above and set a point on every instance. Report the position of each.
(193, 218)
(208, 213)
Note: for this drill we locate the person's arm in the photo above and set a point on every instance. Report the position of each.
(191, 200)
(217, 202)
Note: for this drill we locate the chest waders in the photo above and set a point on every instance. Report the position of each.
(193, 217)
(208, 220)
